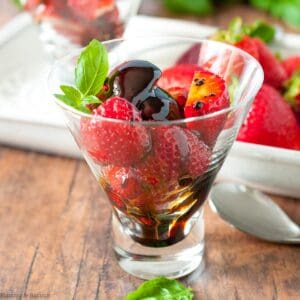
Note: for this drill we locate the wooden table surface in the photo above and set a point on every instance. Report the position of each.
(55, 237)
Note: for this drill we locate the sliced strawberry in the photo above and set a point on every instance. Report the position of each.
(111, 142)
(270, 121)
(291, 65)
(275, 74)
(208, 94)
(178, 76)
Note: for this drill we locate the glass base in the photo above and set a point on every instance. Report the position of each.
(173, 261)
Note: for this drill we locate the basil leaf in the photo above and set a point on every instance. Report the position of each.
(90, 74)
(91, 69)
(90, 100)
(65, 99)
(71, 92)
(161, 288)
(84, 109)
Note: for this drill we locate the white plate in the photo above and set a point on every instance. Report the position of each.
(29, 119)
(269, 169)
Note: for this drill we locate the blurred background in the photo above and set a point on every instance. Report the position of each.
(283, 12)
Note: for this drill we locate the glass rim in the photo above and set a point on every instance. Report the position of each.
(80, 114)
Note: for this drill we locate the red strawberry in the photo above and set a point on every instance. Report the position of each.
(208, 94)
(170, 149)
(176, 152)
(291, 65)
(111, 142)
(199, 155)
(124, 181)
(249, 45)
(120, 109)
(270, 121)
(179, 75)
(275, 74)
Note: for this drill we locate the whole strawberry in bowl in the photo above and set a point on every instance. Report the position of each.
(155, 135)
(266, 155)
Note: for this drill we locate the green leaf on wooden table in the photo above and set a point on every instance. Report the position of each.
(200, 7)
(91, 69)
(161, 288)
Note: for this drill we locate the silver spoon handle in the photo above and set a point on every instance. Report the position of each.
(295, 240)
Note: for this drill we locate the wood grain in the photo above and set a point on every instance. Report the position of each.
(56, 240)
(55, 230)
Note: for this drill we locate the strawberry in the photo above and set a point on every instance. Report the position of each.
(178, 76)
(120, 109)
(169, 150)
(291, 65)
(270, 121)
(275, 74)
(176, 151)
(249, 45)
(111, 142)
(124, 181)
(252, 39)
(208, 94)
(90, 9)
(199, 155)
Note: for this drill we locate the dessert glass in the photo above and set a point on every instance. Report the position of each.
(63, 27)
(161, 232)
